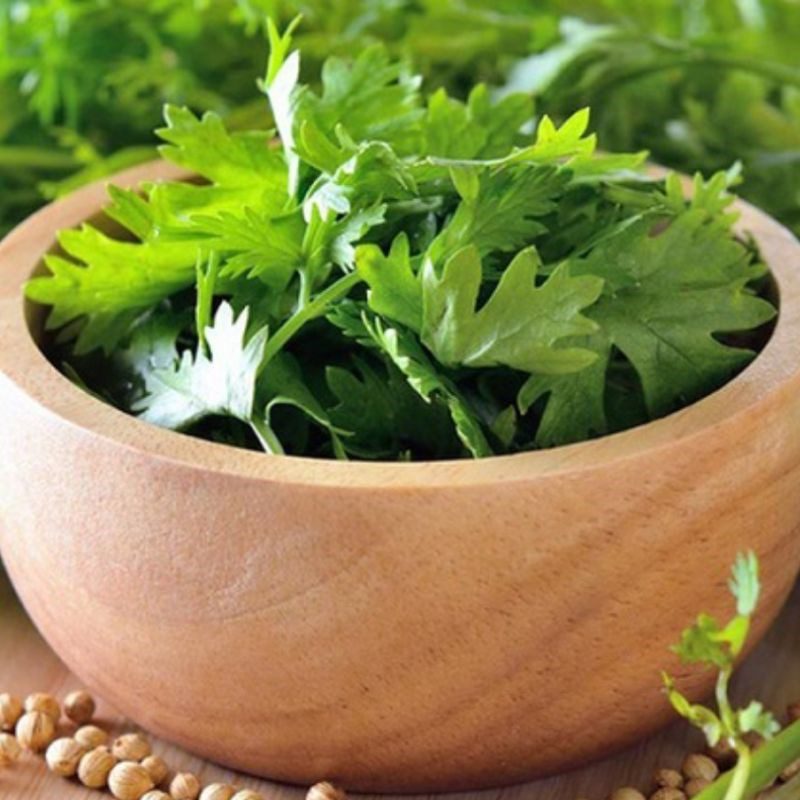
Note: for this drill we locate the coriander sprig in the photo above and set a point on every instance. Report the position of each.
(707, 642)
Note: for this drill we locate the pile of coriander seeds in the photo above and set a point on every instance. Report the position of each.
(699, 770)
(126, 766)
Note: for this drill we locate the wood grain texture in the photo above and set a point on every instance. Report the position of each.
(771, 673)
(402, 627)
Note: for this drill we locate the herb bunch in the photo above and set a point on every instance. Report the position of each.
(83, 83)
(699, 84)
(402, 276)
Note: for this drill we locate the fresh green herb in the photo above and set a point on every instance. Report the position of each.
(718, 647)
(710, 644)
(699, 84)
(524, 287)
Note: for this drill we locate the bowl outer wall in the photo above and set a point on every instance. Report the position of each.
(304, 619)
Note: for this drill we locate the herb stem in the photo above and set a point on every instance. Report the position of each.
(740, 773)
(310, 311)
(266, 436)
(766, 764)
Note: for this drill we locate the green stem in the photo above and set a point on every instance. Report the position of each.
(767, 763)
(311, 310)
(304, 295)
(266, 436)
(740, 774)
(723, 702)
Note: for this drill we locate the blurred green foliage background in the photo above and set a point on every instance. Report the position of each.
(700, 83)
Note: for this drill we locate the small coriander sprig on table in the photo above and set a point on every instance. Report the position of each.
(709, 643)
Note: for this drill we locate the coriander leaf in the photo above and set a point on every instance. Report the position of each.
(755, 719)
(703, 643)
(109, 283)
(575, 408)
(476, 129)
(372, 97)
(255, 244)
(394, 290)
(346, 231)
(744, 583)
(700, 716)
(371, 174)
(222, 382)
(242, 160)
(501, 209)
(521, 325)
(385, 415)
(666, 296)
(281, 384)
(153, 344)
(402, 348)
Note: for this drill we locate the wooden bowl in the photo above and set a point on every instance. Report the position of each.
(395, 627)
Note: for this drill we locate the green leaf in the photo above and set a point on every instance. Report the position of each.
(505, 213)
(385, 416)
(521, 325)
(666, 296)
(282, 384)
(755, 719)
(700, 716)
(245, 160)
(404, 351)
(107, 283)
(575, 407)
(394, 290)
(704, 643)
(477, 129)
(222, 382)
(744, 584)
(255, 244)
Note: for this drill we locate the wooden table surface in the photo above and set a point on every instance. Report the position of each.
(27, 664)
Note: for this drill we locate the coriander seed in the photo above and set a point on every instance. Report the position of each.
(627, 793)
(791, 771)
(35, 730)
(247, 794)
(9, 749)
(156, 794)
(723, 754)
(695, 786)
(46, 703)
(90, 736)
(63, 757)
(696, 765)
(10, 711)
(668, 779)
(95, 767)
(157, 768)
(184, 786)
(131, 747)
(325, 791)
(79, 707)
(668, 794)
(217, 791)
(129, 781)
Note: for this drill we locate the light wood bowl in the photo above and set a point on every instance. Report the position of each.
(394, 627)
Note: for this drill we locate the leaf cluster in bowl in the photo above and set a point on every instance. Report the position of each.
(395, 275)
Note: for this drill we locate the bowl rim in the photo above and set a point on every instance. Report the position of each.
(30, 378)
